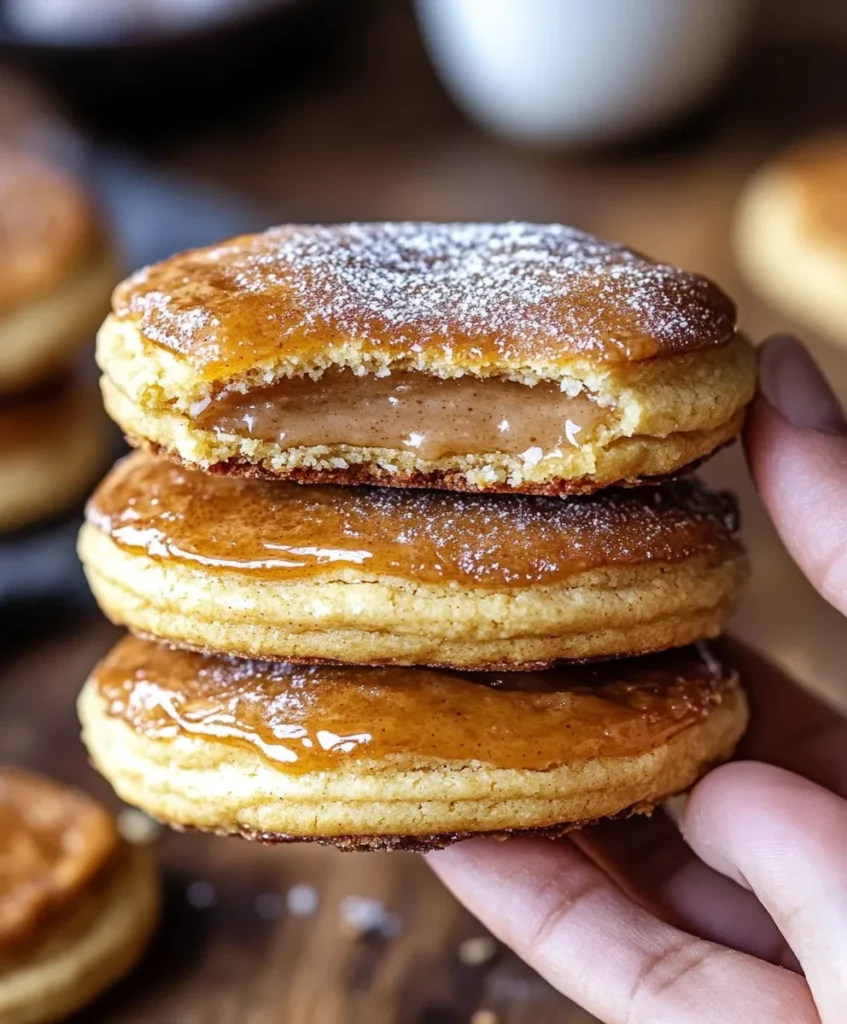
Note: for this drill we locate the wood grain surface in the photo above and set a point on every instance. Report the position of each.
(309, 936)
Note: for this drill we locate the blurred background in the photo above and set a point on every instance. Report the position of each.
(185, 121)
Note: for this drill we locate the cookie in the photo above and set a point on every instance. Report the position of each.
(376, 576)
(480, 357)
(77, 903)
(58, 269)
(402, 758)
(52, 446)
(791, 233)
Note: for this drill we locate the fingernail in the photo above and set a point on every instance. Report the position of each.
(793, 384)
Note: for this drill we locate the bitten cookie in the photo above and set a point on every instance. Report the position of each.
(481, 357)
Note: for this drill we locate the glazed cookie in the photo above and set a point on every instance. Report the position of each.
(377, 576)
(507, 357)
(57, 269)
(400, 758)
(791, 233)
(52, 446)
(77, 904)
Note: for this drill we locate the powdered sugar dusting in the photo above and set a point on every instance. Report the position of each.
(470, 295)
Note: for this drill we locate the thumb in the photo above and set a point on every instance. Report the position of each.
(796, 442)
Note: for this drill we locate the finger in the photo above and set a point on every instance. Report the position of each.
(564, 916)
(789, 727)
(784, 838)
(796, 442)
(653, 864)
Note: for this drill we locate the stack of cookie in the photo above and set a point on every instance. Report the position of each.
(398, 550)
(57, 276)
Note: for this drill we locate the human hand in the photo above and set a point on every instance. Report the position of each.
(642, 926)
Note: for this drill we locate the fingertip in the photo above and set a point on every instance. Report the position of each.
(796, 442)
(458, 854)
(793, 384)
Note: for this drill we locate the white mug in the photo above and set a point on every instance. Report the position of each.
(579, 72)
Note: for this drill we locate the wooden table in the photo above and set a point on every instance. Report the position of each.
(379, 140)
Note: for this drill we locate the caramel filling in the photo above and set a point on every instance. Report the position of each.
(320, 718)
(285, 531)
(54, 842)
(428, 416)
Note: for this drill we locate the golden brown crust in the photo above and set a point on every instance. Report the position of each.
(52, 227)
(432, 841)
(366, 576)
(481, 298)
(369, 474)
(431, 777)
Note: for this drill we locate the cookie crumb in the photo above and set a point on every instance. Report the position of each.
(477, 951)
(364, 915)
(136, 827)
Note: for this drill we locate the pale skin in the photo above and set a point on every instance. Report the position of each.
(739, 914)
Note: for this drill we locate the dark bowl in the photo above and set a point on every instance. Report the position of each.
(150, 86)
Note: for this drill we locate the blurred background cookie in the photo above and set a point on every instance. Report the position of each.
(58, 269)
(77, 903)
(791, 233)
(53, 444)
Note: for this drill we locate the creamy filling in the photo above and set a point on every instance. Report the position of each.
(431, 417)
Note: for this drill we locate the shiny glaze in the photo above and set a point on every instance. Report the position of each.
(320, 718)
(416, 412)
(285, 531)
(479, 297)
(53, 842)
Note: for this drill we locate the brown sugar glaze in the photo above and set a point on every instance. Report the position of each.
(428, 416)
(284, 531)
(478, 297)
(53, 842)
(320, 718)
